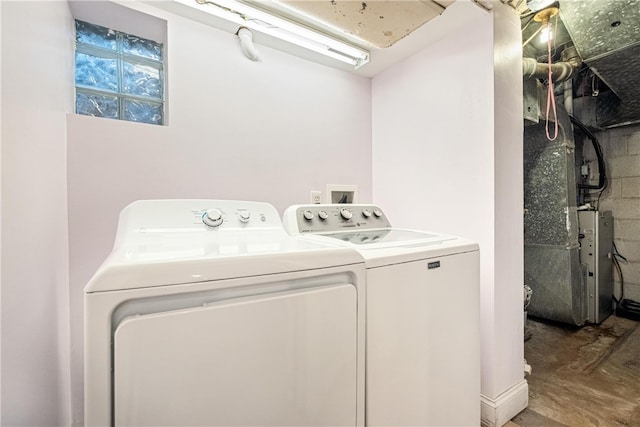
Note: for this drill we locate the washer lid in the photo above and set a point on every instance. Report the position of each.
(165, 242)
(387, 237)
(392, 245)
(192, 260)
(365, 228)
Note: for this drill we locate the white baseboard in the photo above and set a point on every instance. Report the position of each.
(497, 412)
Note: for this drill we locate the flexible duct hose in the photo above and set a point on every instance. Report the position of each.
(246, 44)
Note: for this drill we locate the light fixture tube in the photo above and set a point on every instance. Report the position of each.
(546, 34)
(282, 29)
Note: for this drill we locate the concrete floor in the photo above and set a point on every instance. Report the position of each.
(582, 377)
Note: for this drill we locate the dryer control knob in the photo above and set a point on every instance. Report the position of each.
(308, 215)
(212, 218)
(366, 213)
(346, 213)
(377, 213)
(323, 215)
(244, 216)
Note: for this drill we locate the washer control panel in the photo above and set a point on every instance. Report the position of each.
(215, 217)
(233, 216)
(212, 217)
(196, 214)
(334, 217)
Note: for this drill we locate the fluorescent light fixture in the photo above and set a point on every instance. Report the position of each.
(306, 17)
(282, 29)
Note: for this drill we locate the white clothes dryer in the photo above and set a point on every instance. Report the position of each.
(207, 313)
(423, 314)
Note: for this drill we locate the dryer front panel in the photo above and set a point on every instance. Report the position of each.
(281, 359)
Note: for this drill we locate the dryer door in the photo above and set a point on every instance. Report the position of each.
(280, 359)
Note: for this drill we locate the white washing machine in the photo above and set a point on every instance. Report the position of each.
(207, 313)
(423, 315)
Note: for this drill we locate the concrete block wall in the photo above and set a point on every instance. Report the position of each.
(621, 148)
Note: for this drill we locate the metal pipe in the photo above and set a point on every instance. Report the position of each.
(560, 71)
(568, 96)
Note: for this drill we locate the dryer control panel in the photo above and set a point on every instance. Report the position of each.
(333, 217)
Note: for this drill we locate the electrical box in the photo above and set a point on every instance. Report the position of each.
(596, 237)
(338, 193)
(531, 101)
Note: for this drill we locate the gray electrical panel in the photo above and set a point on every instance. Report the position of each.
(596, 237)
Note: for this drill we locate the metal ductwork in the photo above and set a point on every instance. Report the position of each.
(551, 250)
(606, 35)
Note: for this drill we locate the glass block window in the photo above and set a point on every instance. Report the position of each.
(118, 75)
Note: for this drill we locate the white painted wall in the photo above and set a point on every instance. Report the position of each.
(447, 157)
(433, 135)
(36, 94)
(504, 301)
(269, 131)
(0, 216)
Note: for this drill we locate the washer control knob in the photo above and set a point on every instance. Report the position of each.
(308, 215)
(346, 213)
(212, 218)
(377, 213)
(366, 213)
(244, 216)
(323, 215)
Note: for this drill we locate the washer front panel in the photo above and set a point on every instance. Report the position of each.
(288, 358)
(423, 342)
